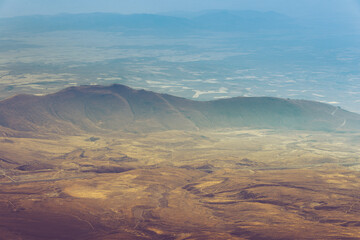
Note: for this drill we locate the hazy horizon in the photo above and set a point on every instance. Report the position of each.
(304, 8)
(312, 54)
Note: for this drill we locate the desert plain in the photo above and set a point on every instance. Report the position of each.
(215, 184)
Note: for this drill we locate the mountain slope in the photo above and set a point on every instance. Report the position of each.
(117, 107)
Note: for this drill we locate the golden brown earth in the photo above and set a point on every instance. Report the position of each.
(228, 184)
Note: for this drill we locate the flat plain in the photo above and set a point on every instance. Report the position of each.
(221, 184)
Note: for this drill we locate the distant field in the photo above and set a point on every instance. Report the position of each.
(202, 66)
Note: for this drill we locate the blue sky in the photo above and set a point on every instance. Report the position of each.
(296, 8)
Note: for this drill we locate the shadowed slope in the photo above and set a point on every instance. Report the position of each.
(117, 107)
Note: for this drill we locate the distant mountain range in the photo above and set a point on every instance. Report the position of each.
(220, 20)
(118, 107)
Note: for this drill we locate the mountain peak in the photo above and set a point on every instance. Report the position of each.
(95, 108)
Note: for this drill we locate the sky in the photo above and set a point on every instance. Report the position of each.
(295, 8)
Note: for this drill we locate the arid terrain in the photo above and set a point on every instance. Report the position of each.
(220, 183)
(212, 121)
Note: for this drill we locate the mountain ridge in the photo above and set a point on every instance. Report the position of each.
(209, 20)
(96, 108)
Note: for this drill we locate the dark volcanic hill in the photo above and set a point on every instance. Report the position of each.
(117, 107)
